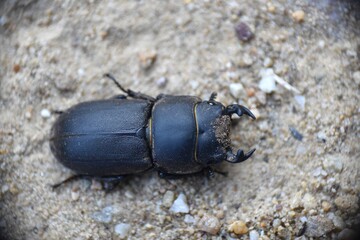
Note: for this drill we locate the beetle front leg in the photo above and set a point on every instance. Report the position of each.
(239, 157)
(129, 92)
(239, 110)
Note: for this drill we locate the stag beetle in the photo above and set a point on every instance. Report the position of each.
(133, 133)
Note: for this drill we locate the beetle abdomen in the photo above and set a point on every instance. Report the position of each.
(104, 138)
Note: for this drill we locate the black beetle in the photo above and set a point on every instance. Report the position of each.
(176, 135)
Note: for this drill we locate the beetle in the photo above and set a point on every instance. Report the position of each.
(133, 133)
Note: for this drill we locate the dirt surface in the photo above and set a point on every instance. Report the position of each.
(299, 184)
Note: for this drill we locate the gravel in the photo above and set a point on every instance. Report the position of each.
(53, 54)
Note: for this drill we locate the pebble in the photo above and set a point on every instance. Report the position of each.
(254, 235)
(319, 171)
(238, 227)
(295, 133)
(298, 16)
(209, 224)
(300, 100)
(75, 194)
(347, 203)
(339, 224)
(297, 201)
(3, 20)
(292, 214)
(245, 61)
(122, 229)
(236, 90)
(105, 215)
(333, 163)
(326, 206)
(4, 188)
(347, 234)
(161, 82)
(261, 97)
(45, 113)
(16, 68)
(309, 201)
(318, 226)
(321, 137)
(250, 92)
(276, 223)
(189, 219)
(147, 59)
(356, 77)
(321, 44)
(81, 72)
(268, 62)
(180, 205)
(243, 32)
(168, 199)
(267, 82)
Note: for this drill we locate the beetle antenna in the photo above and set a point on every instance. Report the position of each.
(111, 77)
(240, 156)
(239, 110)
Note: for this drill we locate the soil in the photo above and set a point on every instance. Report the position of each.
(53, 54)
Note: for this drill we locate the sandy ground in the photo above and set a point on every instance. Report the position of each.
(53, 55)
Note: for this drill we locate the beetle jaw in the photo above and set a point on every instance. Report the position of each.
(239, 157)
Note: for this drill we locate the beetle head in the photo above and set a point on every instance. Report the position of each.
(213, 129)
(213, 132)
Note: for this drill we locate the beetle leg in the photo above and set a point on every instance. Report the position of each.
(210, 172)
(170, 176)
(239, 157)
(213, 97)
(109, 183)
(69, 179)
(239, 110)
(57, 112)
(129, 92)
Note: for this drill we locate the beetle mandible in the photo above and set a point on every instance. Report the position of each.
(132, 133)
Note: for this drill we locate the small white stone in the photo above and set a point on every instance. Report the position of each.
(122, 230)
(4, 188)
(189, 219)
(300, 100)
(267, 82)
(356, 77)
(254, 235)
(81, 72)
(3, 20)
(333, 163)
(194, 84)
(236, 90)
(161, 82)
(321, 44)
(276, 223)
(321, 136)
(180, 205)
(168, 199)
(45, 113)
(303, 219)
(309, 201)
(75, 195)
